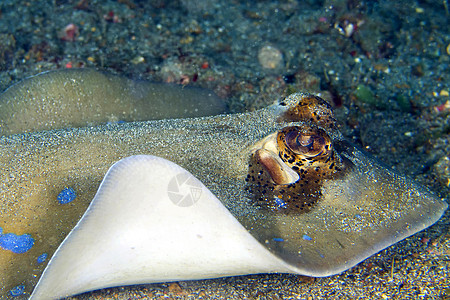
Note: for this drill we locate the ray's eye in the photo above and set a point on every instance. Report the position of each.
(305, 144)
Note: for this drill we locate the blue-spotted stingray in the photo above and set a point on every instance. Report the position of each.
(274, 190)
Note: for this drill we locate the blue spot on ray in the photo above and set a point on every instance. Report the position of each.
(16, 243)
(66, 196)
(280, 203)
(42, 258)
(306, 237)
(17, 291)
(278, 239)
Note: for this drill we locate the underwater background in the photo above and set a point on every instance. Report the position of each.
(383, 65)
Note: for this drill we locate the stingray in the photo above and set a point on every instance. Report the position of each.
(82, 97)
(274, 190)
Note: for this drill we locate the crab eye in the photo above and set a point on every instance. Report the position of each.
(305, 144)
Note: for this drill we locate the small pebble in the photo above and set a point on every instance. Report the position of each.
(425, 240)
(443, 93)
(442, 170)
(175, 288)
(270, 57)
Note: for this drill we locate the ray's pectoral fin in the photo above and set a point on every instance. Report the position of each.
(152, 221)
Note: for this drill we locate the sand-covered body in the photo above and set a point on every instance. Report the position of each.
(359, 208)
(81, 97)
